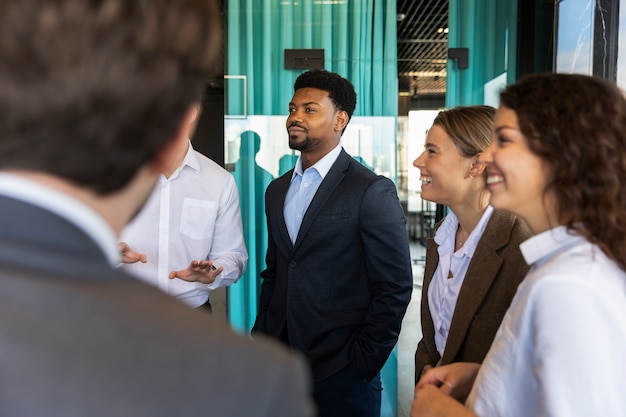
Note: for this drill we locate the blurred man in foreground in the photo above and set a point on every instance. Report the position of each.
(94, 95)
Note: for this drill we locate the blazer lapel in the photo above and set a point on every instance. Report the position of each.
(333, 178)
(480, 274)
(432, 261)
(277, 200)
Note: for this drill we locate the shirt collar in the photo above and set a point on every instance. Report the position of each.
(69, 208)
(446, 233)
(322, 166)
(190, 160)
(543, 246)
(472, 240)
(447, 229)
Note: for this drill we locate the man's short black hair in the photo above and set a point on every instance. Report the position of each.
(340, 90)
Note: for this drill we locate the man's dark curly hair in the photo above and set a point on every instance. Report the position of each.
(340, 90)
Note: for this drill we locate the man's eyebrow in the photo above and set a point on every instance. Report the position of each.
(308, 103)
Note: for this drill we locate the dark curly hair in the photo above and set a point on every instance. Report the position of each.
(340, 90)
(577, 125)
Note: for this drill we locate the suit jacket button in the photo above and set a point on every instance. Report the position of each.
(293, 264)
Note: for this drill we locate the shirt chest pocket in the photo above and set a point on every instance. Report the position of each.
(198, 217)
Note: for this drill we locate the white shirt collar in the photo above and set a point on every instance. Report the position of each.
(61, 204)
(322, 166)
(541, 247)
(446, 233)
(190, 160)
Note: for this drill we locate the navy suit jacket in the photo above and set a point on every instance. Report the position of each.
(339, 293)
(79, 338)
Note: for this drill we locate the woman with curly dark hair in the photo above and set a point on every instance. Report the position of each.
(558, 160)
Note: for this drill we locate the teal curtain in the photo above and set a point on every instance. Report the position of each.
(488, 28)
(358, 38)
(359, 42)
(251, 180)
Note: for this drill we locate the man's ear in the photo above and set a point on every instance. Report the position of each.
(170, 153)
(196, 109)
(341, 120)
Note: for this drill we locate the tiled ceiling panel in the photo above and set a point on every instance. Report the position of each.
(422, 46)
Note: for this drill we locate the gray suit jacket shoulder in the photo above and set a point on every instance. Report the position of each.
(79, 338)
(495, 271)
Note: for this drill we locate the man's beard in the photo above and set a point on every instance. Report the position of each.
(302, 146)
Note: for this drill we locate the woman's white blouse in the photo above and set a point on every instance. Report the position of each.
(561, 348)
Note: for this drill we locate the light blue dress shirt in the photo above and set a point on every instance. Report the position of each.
(304, 185)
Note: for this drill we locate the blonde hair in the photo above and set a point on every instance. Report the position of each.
(469, 127)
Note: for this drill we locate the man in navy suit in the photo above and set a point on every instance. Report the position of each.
(94, 97)
(338, 276)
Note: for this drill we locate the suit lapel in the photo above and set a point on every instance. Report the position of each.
(278, 204)
(432, 260)
(333, 178)
(481, 272)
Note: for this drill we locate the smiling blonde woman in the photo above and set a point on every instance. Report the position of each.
(473, 263)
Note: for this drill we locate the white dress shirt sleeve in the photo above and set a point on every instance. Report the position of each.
(228, 249)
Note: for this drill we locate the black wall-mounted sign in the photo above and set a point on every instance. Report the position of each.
(304, 59)
(460, 54)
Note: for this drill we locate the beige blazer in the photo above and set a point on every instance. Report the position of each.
(495, 271)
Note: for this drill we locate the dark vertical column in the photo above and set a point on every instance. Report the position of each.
(535, 40)
(209, 140)
(209, 135)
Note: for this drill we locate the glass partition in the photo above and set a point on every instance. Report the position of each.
(621, 51)
(574, 52)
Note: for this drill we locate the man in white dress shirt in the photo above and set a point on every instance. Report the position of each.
(188, 238)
